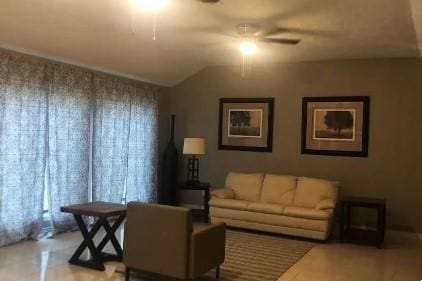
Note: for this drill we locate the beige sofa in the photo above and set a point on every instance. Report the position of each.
(291, 205)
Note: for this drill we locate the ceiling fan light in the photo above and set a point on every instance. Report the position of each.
(248, 48)
(151, 5)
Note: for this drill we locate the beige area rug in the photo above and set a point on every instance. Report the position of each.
(260, 257)
(255, 257)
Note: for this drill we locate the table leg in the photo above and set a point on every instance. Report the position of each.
(95, 262)
(380, 227)
(348, 218)
(341, 223)
(110, 236)
(98, 257)
(206, 205)
(82, 246)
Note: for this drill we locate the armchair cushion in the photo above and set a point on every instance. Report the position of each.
(224, 193)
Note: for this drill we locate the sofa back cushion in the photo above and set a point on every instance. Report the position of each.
(278, 189)
(311, 191)
(246, 186)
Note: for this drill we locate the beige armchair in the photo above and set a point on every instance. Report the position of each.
(161, 240)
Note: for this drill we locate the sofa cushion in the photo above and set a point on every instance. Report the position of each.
(311, 191)
(229, 204)
(266, 208)
(223, 193)
(246, 186)
(278, 189)
(270, 219)
(306, 213)
(326, 204)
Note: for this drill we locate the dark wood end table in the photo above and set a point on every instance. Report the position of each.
(347, 233)
(205, 187)
(102, 211)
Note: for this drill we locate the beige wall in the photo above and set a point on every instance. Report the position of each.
(393, 168)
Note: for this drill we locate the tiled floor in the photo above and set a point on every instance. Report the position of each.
(46, 260)
(399, 260)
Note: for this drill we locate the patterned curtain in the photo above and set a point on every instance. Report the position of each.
(142, 157)
(51, 116)
(110, 137)
(69, 126)
(23, 107)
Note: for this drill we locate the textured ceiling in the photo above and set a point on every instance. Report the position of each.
(192, 35)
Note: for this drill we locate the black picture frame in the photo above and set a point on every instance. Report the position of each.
(365, 100)
(270, 120)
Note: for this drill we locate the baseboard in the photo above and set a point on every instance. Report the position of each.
(392, 235)
(404, 235)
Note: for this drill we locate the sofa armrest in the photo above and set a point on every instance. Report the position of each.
(223, 193)
(326, 204)
(207, 249)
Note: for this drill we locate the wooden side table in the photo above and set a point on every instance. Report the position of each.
(205, 187)
(102, 211)
(347, 233)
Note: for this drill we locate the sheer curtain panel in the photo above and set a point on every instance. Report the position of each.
(23, 106)
(69, 132)
(110, 137)
(142, 156)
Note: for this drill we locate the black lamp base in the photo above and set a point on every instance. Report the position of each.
(193, 171)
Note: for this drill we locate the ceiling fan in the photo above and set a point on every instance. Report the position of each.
(250, 31)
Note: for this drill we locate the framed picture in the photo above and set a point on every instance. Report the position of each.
(336, 126)
(246, 124)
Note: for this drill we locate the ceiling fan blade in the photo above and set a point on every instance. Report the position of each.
(273, 31)
(300, 31)
(280, 41)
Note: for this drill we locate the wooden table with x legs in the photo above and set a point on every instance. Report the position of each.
(102, 211)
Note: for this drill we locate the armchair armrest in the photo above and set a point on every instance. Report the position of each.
(326, 204)
(223, 193)
(207, 249)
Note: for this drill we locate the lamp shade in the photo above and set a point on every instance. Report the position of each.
(194, 146)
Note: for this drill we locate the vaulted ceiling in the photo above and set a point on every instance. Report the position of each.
(115, 36)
